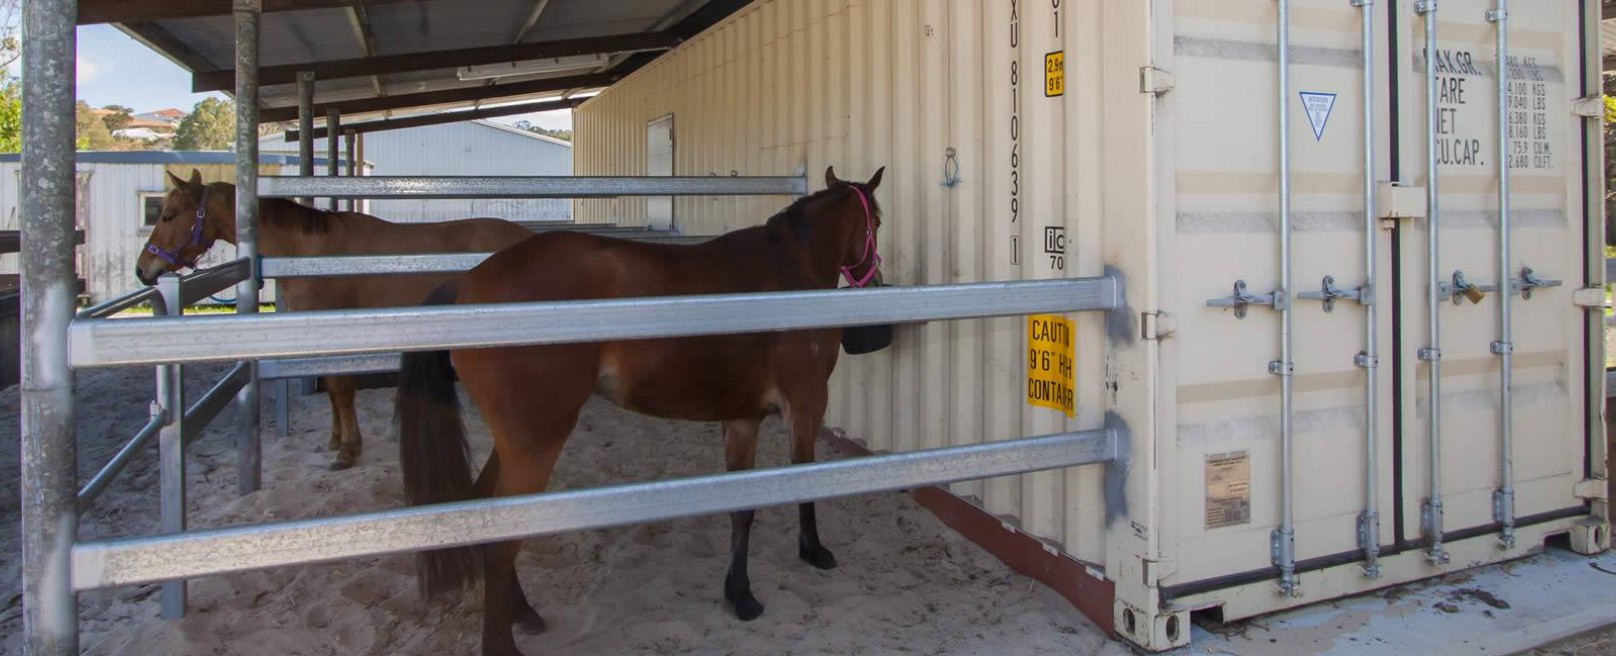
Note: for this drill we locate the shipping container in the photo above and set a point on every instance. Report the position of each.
(1033, 139)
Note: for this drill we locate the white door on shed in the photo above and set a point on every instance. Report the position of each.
(659, 161)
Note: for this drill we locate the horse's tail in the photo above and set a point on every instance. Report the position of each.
(434, 455)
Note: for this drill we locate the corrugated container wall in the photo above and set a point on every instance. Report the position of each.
(1030, 139)
(468, 148)
(977, 188)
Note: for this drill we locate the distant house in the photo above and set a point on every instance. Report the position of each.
(162, 122)
(469, 148)
(141, 134)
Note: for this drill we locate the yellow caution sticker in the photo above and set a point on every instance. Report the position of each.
(1055, 74)
(1050, 363)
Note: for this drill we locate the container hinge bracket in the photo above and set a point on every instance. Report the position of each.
(1242, 299)
(1424, 7)
(1497, 15)
(1588, 107)
(1504, 514)
(1155, 81)
(1431, 528)
(1157, 325)
(1528, 282)
(1365, 361)
(1369, 541)
(1429, 354)
(1462, 289)
(1589, 297)
(1501, 347)
(1329, 293)
(1593, 489)
(1157, 570)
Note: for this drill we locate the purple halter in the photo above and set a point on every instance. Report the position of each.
(197, 238)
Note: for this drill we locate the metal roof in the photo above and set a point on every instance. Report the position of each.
(420, 46)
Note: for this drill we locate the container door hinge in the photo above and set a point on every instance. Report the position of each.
(1155, 81)
(1588, 107)
(1157, 325)
(1158, 570)
(1591, 489)
(1589, 297)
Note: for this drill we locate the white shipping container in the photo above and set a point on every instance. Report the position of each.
(1033, 139)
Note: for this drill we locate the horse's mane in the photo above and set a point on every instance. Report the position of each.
(796, 216)
(311, 221)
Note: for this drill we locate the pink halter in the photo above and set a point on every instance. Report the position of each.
(869, 246)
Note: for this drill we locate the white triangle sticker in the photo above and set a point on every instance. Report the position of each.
(1318, 106)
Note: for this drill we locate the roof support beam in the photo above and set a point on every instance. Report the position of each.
(163, 42)
(126, 11)
(449, 96)
(443, 117)
(426, 61)
(359, 20)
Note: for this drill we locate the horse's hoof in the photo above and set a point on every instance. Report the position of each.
(747, 607)
(531, 625)
(341, 465)
(819, 557)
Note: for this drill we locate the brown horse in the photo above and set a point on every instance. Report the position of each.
(530, 396)
(195, 215)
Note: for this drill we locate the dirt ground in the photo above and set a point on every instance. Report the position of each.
(1601, 643)
(905, 584)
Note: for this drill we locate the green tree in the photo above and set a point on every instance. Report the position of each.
(91, 132)
(211, 125)
(119, 118)
(10, 114)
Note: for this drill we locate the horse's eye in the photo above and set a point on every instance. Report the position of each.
(167, 217)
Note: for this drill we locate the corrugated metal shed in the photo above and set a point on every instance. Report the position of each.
(470, 148)
(112, 186)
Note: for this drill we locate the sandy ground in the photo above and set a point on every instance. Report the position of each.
(905, 585)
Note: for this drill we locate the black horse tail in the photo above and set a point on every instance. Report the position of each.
(435, 457)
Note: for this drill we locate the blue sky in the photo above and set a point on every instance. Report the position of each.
(115, 69)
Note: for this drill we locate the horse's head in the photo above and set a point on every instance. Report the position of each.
(861, 263)
(184, 229)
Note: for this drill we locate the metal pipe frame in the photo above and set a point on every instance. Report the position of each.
(99, 482)
(198, 286)
(342, 365)
(1284, 538)
(104, 342)
(113, 306)
(1431, 513)
(1369, 359)
(48, 486)
(333, 128)
(249, 442)
(349, 139)
(1504, 496)
(427, 187)
(214, 401)
(132, 561)
(305, 126)
(171, 444)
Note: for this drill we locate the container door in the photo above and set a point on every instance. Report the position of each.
(1545, 161)
(659, 161)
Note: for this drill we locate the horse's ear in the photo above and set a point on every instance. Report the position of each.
(875, 180)
(179, 182)
(196, 178)
(830, 177)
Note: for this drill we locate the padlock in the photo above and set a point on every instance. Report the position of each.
(1474, 293)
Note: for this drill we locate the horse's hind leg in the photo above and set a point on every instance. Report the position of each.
(740, 450)
(342, 399)
(805, 424)
(527, 619)
(336, 417)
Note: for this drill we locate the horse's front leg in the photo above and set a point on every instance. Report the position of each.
(342, 406)
(805, 426)
(740, 451)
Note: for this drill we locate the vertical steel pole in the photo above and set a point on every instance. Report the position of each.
(1284, 539)
(1504, 496)
(1369, 521)
(333, 127)
(305, 126)
(353, 167)
(171, 445)
(49, 457)
(249, 465)
(1431, 514)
